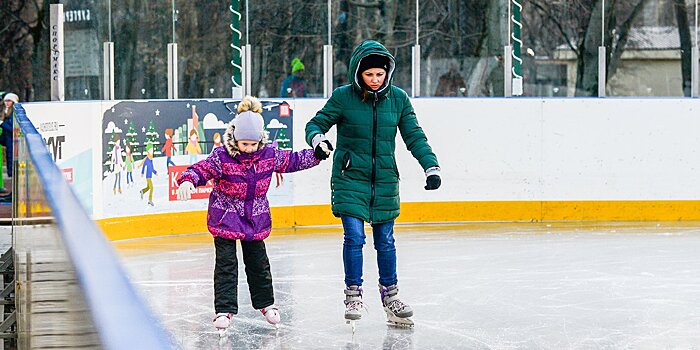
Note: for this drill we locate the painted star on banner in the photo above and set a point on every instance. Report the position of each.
(126, 122)
(157, 112)
(112, 109)
(143, 129)
(188, 105)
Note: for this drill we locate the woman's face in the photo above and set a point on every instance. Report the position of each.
(9, 103)
(247, 146)
(374, 78)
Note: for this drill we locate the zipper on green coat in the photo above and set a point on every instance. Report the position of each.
(374, 155)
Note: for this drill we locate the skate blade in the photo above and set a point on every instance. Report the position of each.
(222, 332)
(399, 322)
(352, 324)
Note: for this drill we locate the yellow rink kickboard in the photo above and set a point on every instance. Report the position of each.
(153, 225)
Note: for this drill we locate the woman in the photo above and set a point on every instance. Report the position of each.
(365, 180)
(6, 116)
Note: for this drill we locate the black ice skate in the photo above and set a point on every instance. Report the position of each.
(397, 313)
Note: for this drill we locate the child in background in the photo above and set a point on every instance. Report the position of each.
(239, 210)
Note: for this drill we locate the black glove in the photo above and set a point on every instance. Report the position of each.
(433, 182)
(323, 150)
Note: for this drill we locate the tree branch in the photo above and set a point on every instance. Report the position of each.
(369, 4)
(560, 27)
(622, 37)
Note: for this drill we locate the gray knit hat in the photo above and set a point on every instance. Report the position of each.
(249, 126)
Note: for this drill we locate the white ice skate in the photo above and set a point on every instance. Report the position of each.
(353, 305)
(272, 315)
(222, 321)
(397, 313)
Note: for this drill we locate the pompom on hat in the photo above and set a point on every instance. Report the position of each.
(249, 124)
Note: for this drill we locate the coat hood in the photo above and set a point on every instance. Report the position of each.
(230, 141)
(369, 47)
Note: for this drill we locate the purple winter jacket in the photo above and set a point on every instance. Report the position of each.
(238, 206)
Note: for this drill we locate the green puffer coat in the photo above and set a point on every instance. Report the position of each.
(365, 179)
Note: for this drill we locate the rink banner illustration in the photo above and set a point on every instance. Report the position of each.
(67, 131)
(147, 144)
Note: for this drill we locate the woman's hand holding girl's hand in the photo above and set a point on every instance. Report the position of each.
(322, 147)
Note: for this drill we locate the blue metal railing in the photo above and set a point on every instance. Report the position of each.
(121, 318)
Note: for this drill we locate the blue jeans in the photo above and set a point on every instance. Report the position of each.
(354, 240)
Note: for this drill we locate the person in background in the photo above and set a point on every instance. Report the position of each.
(451, 83)
(6, 138)
(367, 114)
(294, 85)
(340, 72)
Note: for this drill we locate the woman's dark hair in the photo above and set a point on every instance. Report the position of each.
(365, 93)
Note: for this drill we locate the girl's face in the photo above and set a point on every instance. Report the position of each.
(193, 137)
(374, 78)
(247, 146)
(9, 103)
(217, 139)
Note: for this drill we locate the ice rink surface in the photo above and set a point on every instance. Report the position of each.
(480, 286)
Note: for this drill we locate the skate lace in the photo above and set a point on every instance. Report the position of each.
(396, 305)
(356, 305)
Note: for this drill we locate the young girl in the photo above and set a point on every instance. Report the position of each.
(239, 210)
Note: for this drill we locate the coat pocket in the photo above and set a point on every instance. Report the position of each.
(346, 163)
(396, 168)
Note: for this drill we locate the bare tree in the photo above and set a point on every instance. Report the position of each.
(24, 47)
(578, 26)
(681, 13)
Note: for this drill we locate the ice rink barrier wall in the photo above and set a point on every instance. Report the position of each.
(502, 160)
(71, 291)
